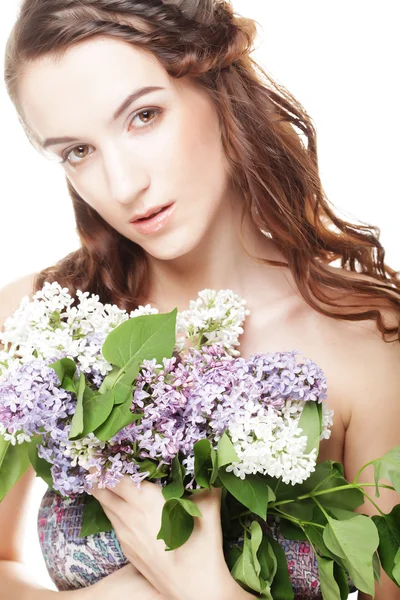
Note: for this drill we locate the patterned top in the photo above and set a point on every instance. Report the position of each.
(74, 562)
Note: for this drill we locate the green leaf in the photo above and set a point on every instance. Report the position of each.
(77, 419)
(327, 474)
(88, 393)
(255, 541)
(190, 507)
(176, 523)
(377, 567)
(354, 541)
(129, 344)
(94, 519)
(69, 384)
(175, 489)
(110, 379)
(64, 367)
(329, 587)
(396, 568)
(291, 531)
(214, 473)
(203, 464)
(146, 464)
(3, 449)
(41, 466)
(119, 417)
(388, 467)
(341, 579)
(14, 461)
(232, 554)
(96, 410)
(140, 338)
(388, 527)
(281, 588)
(244, 570)
(252, 491)
(315, 535)
(226, 452)
(257, 565)
(340, 514)
(123, 389)
(267, 560)
(302, 510)
(310, 423)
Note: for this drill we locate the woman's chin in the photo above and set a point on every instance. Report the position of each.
(171, 249)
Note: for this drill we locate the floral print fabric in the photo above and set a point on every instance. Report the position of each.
(74, 562)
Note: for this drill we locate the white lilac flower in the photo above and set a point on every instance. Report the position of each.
(268, 441)
(327, 422)
(215, 316)
(81, 451)
(49, 325)
(143, 310)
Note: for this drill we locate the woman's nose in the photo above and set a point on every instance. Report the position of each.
(126, 176)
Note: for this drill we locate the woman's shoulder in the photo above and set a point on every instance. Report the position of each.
(12, 293)
(356, 359)
(345, 303)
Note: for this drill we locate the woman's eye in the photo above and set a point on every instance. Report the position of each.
(146, 112)
(66, 155)
(80, 153)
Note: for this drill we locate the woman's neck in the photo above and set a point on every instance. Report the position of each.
(221, 264)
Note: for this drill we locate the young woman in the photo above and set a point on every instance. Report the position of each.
(157, 107)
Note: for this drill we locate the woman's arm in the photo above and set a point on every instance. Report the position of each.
(15, 584)
(373, 390)
(126, 582)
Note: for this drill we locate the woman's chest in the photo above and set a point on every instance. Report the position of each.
(283, 332)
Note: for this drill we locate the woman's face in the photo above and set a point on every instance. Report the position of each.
(164, 147)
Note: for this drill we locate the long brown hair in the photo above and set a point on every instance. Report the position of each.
(269, 141)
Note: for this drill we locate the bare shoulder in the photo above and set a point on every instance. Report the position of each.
(363, 383)
(12, 293)
(361, 339)
(369, 375)
(357, 361)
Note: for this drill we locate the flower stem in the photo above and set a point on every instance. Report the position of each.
(322, 509)
(275, 505)
(375, 504)
(322, 492)
(298, 522)
(362, 469)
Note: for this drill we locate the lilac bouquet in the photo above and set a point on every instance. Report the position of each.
(90, 394)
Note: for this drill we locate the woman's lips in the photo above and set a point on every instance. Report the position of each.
(156, 223)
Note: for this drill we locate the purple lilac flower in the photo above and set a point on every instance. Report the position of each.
(31, 401)
(282, 377)
(184, 399)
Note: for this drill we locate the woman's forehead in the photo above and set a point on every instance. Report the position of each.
(99, 61)
(90, 80)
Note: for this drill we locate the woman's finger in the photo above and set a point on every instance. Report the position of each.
(109, 500)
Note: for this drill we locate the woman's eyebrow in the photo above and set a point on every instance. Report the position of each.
(134, 96)
(127, 102)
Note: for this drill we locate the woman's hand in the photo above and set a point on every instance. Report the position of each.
(196, 570)
(126, 582)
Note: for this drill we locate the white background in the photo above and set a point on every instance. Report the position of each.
(339, 59)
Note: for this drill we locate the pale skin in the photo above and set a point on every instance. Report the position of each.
(125, 171)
